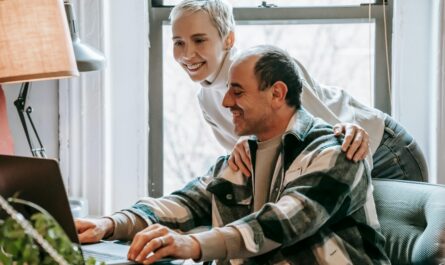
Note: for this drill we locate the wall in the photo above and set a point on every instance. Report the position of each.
(103, 114)
(414, 71)
(43, 97)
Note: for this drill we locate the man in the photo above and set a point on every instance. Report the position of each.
(305, 203)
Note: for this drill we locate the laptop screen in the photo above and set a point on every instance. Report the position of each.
(39, 181)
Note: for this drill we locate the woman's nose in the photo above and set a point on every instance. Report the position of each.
(189, 51)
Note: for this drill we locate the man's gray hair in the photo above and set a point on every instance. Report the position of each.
(219, 11)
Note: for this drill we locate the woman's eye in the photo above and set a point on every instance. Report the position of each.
(178, 43)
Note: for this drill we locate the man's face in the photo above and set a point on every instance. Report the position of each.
(250, 107)
(197, 46)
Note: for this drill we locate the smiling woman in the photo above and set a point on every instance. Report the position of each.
(195, 43)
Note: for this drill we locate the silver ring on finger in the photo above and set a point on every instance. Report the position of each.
(163, 242)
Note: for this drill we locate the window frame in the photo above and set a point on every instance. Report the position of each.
(158, 16)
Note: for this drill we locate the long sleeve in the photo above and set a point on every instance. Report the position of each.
(226, 243)
(323, 188)
(126, 225)
(184, 209)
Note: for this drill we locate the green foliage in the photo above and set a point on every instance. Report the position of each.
(17, 247)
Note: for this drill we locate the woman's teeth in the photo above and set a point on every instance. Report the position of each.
(194, 66)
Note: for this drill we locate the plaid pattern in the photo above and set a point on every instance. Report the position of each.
(321, 209)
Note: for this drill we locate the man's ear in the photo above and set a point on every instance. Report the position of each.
(279, 92)
(230, 40)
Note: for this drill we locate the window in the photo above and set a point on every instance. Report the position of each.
(285, 3)
(339, 45)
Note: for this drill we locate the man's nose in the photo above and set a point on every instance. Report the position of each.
(227, 100)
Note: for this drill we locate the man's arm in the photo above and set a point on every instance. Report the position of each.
(183, 210)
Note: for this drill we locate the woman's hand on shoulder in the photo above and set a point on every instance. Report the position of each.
(356, 141)
(240, 157)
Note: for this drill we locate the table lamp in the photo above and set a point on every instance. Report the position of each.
(87, 57)
(40, 41)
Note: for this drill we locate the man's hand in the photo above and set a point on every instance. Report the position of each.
(240, 158)
(356, 142)
(160, 241)
(93, 230)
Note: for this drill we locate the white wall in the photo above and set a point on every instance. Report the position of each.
(127, 102)
(104, 124)
(414, 72)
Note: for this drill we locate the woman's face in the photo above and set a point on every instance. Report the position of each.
(197, 46)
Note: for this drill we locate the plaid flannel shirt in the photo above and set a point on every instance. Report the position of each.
(320, 210)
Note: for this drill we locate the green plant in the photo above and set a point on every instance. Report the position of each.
(21, 241)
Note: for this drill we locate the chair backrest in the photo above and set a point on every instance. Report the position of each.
(6, 142)
(412, 219)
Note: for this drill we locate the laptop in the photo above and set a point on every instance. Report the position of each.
(39, 180)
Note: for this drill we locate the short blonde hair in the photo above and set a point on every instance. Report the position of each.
(219, 11)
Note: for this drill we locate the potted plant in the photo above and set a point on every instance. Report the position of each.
(39, 240)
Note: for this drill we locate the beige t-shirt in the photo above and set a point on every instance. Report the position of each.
(266, 158)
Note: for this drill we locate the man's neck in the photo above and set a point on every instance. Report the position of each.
(278, 126)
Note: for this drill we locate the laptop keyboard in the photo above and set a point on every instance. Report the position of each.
(99, 256)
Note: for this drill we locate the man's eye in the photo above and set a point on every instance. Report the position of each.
(178, 43)
(200, 40)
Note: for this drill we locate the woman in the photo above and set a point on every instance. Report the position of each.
(203, 36)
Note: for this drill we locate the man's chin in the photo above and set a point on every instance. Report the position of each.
(241, 132)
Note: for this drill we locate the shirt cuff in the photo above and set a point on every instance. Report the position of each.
(126, 225)
(212, 245)
(220, 243)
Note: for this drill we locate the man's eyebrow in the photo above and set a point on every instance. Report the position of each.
(235, 85)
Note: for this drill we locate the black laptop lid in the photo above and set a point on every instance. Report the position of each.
(39, 181)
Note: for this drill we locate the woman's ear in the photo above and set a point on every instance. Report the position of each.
(230, 40)
(279, 92)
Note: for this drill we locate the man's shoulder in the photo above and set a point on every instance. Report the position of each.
(311, 131)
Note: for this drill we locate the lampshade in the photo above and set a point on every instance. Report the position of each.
(35, 42)
(87, 57)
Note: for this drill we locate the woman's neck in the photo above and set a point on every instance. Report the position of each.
(211, 78)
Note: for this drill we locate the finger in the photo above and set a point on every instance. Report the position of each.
(159, 254)
(82, 225)
(245, 155)
(232, 164)
(244, 170)
(338, 129)
(240, 164)
(349, 136)
(88, 237)
(144, 237)
(153, 246)
(355, 145)
(362, 152)
(139, 242)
